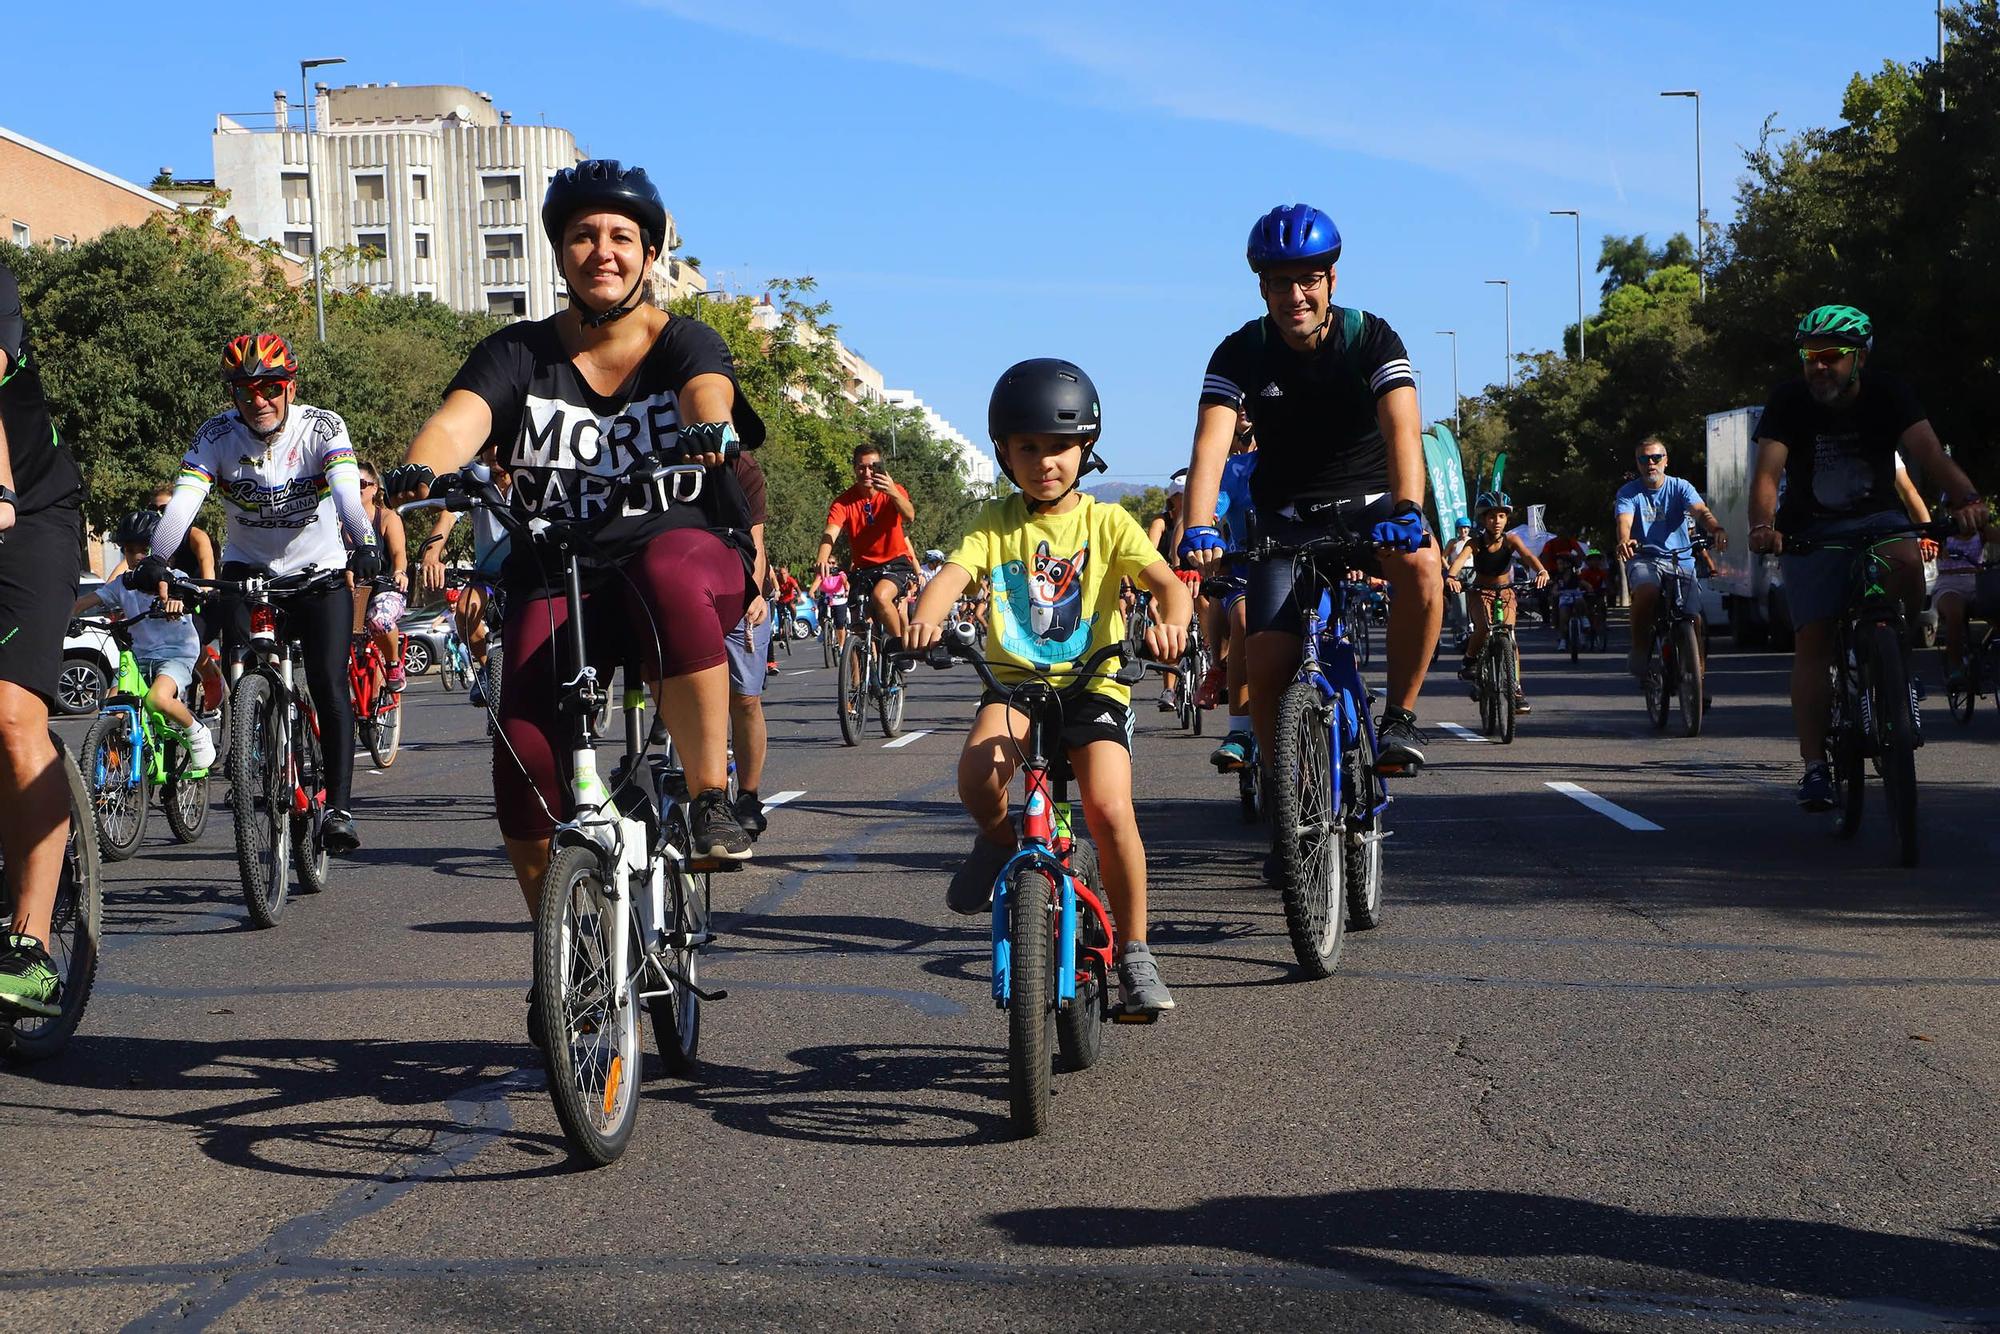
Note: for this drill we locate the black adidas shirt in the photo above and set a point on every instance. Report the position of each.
(1840, 460)
(567, 445)
(44, 473)
(1314, 412)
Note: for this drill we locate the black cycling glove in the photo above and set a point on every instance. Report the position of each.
(366, 562)
(405, 479)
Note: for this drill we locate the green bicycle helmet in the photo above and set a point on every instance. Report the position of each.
(1836, 322)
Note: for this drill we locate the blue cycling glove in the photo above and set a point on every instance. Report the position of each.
(1403, 530)
(1202, 537)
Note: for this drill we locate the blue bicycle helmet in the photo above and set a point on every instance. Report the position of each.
(1492, 500)
(1292, 234)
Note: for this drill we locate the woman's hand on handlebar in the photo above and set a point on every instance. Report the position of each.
(922, 637)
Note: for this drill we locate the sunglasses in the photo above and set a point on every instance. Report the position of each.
(367, 485)
(1826, 356)
(268, 390)
(1652, 458)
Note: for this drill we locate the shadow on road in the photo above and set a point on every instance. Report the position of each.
(1339, 1230)
(258, 1102)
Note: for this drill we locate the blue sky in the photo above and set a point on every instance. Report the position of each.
(974, 184)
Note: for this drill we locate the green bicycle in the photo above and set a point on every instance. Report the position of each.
(132, 752)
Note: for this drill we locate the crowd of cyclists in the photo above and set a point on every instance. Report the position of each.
(1307, 420)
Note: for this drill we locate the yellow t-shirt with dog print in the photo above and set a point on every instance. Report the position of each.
(1055, 585)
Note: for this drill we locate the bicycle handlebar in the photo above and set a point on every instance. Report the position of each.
(961, 638)
(459, 492)
(1937, 530)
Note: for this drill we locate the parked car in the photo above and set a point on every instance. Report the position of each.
(89, 665)
(424, 634)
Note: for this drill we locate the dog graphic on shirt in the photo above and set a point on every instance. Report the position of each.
(1055, 593)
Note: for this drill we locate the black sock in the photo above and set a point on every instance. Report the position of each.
(1392, 714)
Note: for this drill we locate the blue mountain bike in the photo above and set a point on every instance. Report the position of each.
(1327, 803)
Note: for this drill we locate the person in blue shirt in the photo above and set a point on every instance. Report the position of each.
(1653, 512)
(1234, 514)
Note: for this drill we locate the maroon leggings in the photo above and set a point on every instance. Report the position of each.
(690, 584)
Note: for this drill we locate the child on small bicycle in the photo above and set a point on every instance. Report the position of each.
(1055, 557)
(1492, 551)
(164, 646)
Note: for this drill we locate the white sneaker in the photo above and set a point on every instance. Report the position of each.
(201, 746)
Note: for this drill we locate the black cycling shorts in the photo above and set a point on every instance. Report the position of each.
(1273, 602)
(1091, 718)
(901, 569)
(40, 559)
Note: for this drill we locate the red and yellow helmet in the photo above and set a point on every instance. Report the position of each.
(263, 356)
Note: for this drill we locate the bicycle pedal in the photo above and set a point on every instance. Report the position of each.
(1121, 1015)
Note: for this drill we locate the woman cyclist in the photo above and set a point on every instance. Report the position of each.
(1491, 551)
(379, 612)
(575, 402)
(832, 591)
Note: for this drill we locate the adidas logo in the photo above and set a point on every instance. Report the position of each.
(1271, 391)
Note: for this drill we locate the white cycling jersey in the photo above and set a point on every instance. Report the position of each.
(288, 500)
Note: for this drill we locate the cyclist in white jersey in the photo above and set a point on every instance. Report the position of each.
(289, 476)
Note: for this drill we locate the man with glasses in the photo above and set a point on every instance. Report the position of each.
(871, 514)
(288, 474)
(1653, 511)
(1332, 398)
(1833, 437)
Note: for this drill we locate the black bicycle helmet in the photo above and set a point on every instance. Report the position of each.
(137, 528)
(1046, 396)
(604, 183)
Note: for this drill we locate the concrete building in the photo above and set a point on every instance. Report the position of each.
(50, 198)
(446, 187)
(978, 465)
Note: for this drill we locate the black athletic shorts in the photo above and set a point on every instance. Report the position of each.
(1080, 722)
(865, 577)
(40, 559)
(1272, 600)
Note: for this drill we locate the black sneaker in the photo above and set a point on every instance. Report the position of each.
(1398, 744)
(338, 835)
(750, 813)
(1816, 787)
(971, 888)
(717, 832)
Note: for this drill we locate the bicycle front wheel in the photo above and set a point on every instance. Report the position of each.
(1693, 679)
(186, 798)
(889, 705)
(1306, 830)
(260, 798)
(1031, 1004)
(117, 781)
(1506, 682)
(1659, 685)
(76, 927)
(589, 1021)
(1361, 834)
(1895, 737)
(309, 857)
(850, 690)
(385, 729)
(1080, 1026)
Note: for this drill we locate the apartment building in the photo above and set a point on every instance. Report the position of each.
(976, 464)
(50, 198)
(444, 187)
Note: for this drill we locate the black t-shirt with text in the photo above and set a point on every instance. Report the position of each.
(1840, 461)
(1313, 412)
(44, 473)
(567, 445)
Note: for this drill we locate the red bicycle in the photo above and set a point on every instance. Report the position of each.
(378, 710)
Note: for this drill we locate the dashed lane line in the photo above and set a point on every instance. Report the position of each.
(906, 739)
(780, 798)
(1610, 810)
(1462, 733)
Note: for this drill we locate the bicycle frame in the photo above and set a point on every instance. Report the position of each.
(1048, 837)
(1329, 666)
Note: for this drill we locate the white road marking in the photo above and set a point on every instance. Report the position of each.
(1462, 733)
(780, 798)
(905, 739)
(1609, 810)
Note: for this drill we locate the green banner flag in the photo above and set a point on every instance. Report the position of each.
(1447, 476)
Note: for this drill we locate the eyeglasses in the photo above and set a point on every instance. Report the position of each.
(1307, 283)
(367, 485)
(1652, 458)
(1826, 356)
(268, 390)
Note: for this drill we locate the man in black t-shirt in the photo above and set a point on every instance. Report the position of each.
(1332, 398)
(1833, 437)
(41, 551)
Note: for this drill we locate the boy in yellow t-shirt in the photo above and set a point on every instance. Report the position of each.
(1055, 557)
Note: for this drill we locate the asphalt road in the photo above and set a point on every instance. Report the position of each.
(1727, 1072)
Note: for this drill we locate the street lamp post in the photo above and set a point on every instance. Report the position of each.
(1506, 287)
(312, 190)
(1700, 208)
(1453, 335)
(1572, 213)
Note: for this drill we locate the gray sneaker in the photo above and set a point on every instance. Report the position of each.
(1139, 984)
(971, 889)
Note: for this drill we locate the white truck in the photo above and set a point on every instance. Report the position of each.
(1752, 590)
